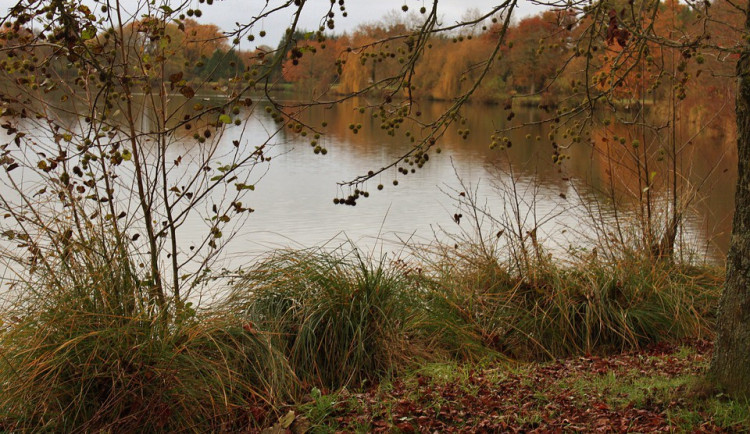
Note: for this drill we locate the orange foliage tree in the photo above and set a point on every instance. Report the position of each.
(538, 51)
(312, 65)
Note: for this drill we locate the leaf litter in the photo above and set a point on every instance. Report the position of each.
(652, 390)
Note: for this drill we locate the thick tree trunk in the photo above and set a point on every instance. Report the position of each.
(730, 367)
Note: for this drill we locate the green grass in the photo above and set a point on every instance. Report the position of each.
(540, 393)
(686, 406)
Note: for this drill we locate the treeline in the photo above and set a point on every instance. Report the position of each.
(195, 51)
(552, 56)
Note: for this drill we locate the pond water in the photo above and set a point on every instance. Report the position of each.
(567, 206)
(294, 207)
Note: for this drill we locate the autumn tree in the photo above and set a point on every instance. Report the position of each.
(201, 41)
(686, 35)
(730, 366)
(372, 60)
(101, 144)
(315, 70)
(537, 52)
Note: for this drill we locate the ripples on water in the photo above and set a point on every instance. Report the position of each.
(294, 205)
(293, 198)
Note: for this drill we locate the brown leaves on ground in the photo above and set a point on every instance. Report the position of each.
(643, 391)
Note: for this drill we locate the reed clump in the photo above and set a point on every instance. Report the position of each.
(88, 352)
(341, 319)
(584, 306)
(92, 352)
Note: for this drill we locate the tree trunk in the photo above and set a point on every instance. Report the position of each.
(730, 367)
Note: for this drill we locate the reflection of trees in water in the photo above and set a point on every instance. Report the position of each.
(585, 176)
(665, 174)
(605, 174)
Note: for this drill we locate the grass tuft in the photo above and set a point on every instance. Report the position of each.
(97, 357)
(551, 310)
(340, 319)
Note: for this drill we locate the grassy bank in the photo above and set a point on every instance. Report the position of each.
(652, 390)
(311, 324)
(98, 357)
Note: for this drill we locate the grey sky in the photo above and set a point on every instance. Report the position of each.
(226, 13)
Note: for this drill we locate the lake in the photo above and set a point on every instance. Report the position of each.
(567, 206)
(294, 206)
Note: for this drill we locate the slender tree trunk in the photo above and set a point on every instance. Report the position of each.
(730, 367)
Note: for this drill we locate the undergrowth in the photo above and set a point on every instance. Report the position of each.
(582, 307)
(89, 352)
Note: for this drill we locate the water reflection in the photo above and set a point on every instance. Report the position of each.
(293, 199)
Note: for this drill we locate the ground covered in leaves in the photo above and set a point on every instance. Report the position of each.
(653, 390)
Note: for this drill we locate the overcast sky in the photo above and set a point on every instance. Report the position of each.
(226, 13)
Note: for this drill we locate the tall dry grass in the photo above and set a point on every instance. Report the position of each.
(86, 352)
(340, 318)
